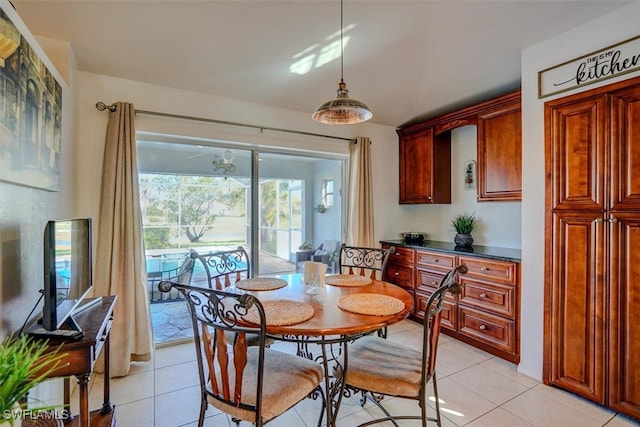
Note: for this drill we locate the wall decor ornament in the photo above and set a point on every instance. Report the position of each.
(470, 175)
(30, 108)
(612, 61)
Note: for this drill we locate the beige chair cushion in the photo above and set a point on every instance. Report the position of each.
(382, 366)
(287, 380)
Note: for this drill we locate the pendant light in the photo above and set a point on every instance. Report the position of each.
(342, 110)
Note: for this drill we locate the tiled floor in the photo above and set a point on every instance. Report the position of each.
(476, 388)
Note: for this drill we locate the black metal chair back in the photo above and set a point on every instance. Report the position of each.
(224, 268)
(363, 261)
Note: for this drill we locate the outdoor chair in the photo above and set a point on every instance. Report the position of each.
(254, 384)
(181, 274)
(380, 367)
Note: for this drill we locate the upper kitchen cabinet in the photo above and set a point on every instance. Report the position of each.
(425, 166)
(500, 149)
(425, 152)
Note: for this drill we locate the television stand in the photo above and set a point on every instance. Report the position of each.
(79, 361)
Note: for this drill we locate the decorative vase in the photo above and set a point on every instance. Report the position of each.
(463, 239)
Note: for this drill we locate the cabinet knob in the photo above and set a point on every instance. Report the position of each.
(483, 295)
(612, 219)
(436, 260)
(428, 197)
(598, 220)
(484, 268)
(396, 273)
(434, 283)
(483, 327)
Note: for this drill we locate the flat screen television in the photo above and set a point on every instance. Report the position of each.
(67, 271)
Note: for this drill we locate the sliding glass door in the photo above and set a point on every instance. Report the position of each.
(208, 198)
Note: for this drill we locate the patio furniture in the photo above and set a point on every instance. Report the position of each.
(181, 274)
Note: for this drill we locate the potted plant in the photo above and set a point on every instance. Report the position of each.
(464, 224)
(320, 208)
(24, 363)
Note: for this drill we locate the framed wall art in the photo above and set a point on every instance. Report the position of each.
(470, 175)
(31, 96)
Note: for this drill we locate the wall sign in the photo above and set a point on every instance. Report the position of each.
(612, 61)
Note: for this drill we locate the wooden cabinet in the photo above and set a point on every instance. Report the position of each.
(488, 307)
(425, 167)
(400, 268)
(592, 292)
(499, 150)
(430, 269)
(425, 152)
(487, 312)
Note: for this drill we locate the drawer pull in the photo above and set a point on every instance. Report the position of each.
(484, 268)
(482, 327)
(483, 295)
(434, 283)
(397, 253)
(396, 273)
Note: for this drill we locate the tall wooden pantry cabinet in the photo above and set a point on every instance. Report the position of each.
(592, 290)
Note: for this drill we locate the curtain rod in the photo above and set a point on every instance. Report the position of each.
(101, 106)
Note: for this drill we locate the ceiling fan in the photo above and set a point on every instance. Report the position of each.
(221, 162)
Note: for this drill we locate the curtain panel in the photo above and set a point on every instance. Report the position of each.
(120, 261)
(360, 195)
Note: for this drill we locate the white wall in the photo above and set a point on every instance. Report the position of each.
(598, 34)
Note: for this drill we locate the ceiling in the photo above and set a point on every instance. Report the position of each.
(407, 60)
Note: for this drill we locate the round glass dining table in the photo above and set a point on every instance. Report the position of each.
(331, 327)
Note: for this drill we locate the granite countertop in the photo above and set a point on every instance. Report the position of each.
(491, 252)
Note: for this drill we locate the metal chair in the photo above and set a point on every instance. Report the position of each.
(363, 261)
(224, 268)
(379, 367)
(254, 384)
(181, 274)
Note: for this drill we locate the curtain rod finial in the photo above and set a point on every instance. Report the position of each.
(101, 106)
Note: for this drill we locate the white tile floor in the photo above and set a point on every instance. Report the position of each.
(477, 389)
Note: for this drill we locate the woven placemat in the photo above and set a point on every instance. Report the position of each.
(260, 284)
(347, 280)
(282, 312)
(371, 304)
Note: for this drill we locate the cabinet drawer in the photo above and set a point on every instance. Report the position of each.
(492, 270)
(449, 312)
(398, 274)
(435, 260)
(401, 255)
(429, 281)
(495, 331)
(495, 297)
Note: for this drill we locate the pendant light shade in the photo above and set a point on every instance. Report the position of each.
(342, 110)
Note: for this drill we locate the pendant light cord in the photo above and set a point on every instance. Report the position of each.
(341, 43)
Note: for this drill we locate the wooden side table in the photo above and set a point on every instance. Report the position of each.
(80, 360)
